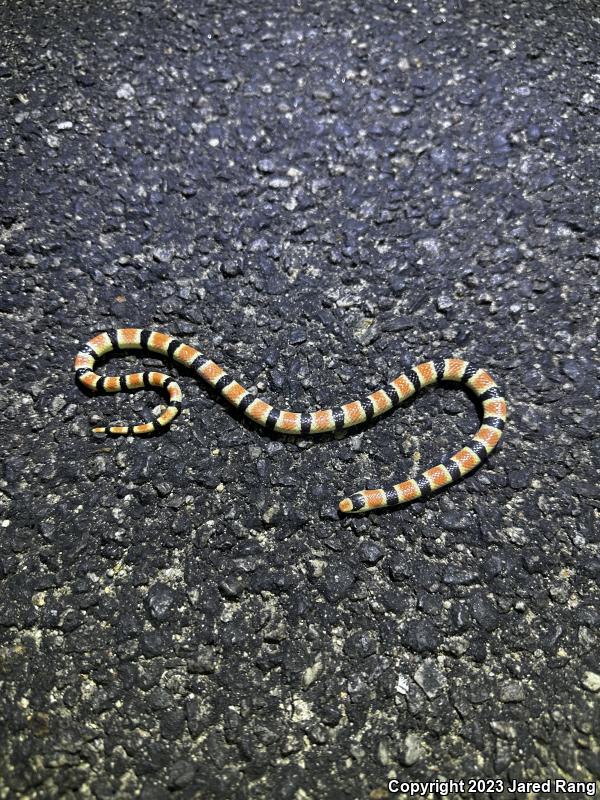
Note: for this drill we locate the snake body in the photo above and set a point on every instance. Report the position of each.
(348, 415)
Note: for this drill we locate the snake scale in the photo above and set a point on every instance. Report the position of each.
(448, 471)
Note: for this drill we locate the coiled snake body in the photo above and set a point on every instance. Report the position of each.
(390, 396)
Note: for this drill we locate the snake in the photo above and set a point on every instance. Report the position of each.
(448, 471)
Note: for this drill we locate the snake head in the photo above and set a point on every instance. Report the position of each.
(353, 504)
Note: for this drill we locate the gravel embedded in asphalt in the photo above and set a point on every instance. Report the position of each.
(317, 195)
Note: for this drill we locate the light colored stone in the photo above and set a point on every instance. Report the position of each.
(591, 681)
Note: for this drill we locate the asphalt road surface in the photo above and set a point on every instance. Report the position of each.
(317, 195)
